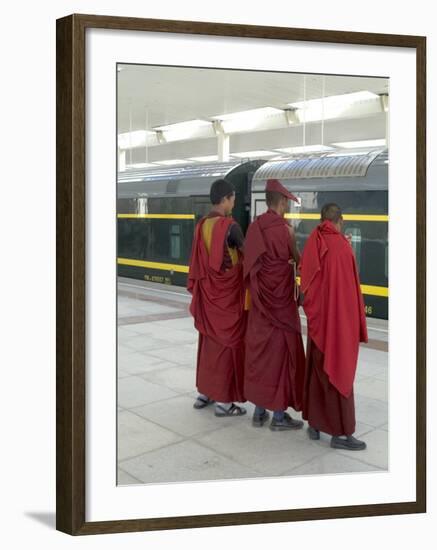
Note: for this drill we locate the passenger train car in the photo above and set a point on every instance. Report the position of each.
(158, 210)
(359, 185)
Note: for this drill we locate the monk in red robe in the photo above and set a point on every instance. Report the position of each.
(275, 359)
(334, 307)
(215, 280)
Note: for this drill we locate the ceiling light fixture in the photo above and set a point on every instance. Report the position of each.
(187, 130)
(363, 143)
(255, 154)
(140, 165)
(336, 106)
(172, 162)
(306, 149)
(207, 158)
(137, 138)
(252, 119)
(347, 153)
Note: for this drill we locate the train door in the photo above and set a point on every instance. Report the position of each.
(244, 200)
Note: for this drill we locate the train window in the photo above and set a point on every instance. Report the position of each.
(356, 240)
(386, 261)
(175, 241)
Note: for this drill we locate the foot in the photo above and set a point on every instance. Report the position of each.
(313, 433)
(234, 410)
(202, 401)
(258, 420)
(349, 443)
(287, 423)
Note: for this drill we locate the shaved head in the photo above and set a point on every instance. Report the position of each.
(331, 212)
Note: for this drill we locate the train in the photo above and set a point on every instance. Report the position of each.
(157, 210)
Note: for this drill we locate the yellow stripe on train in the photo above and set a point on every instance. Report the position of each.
(370, 290)
(290, 216)
(346, 217)
(375, 290)
(159, 216)
(153, 265)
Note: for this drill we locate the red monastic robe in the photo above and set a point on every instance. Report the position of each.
(275, 359)
(218, 309)
(334, 307)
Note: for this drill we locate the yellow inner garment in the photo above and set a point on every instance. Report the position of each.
(207, 229)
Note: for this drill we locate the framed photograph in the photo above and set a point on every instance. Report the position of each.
(205, 375)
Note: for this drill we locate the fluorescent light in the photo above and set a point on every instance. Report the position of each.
(207, 158)
(347, 153)
(185, 125)
(254, 154)
(261, 112)
(364, 143)
(336, 106)
(138, 138)
(140, 165)
(306, 149)
(172, 162)
(187, 130)
(343, 98)
(252, 119)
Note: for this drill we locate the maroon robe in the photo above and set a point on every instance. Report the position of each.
(324, 407)
(218, 309)
(334, 307)
(275, 359)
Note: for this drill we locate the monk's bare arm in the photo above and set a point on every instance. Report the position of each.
(236, 237)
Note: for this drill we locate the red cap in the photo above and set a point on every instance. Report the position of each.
(276, 185)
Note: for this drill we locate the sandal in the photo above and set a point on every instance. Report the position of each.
(201, 402)
(234, 410)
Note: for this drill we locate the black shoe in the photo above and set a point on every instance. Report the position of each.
(287, 423)
(349, 443)
(313, 433)
(258, 420)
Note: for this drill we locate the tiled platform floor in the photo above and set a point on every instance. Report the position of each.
(161, 438)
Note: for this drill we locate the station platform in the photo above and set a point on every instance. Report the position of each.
(162, 438)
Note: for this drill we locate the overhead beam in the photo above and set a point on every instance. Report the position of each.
(373, 127)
